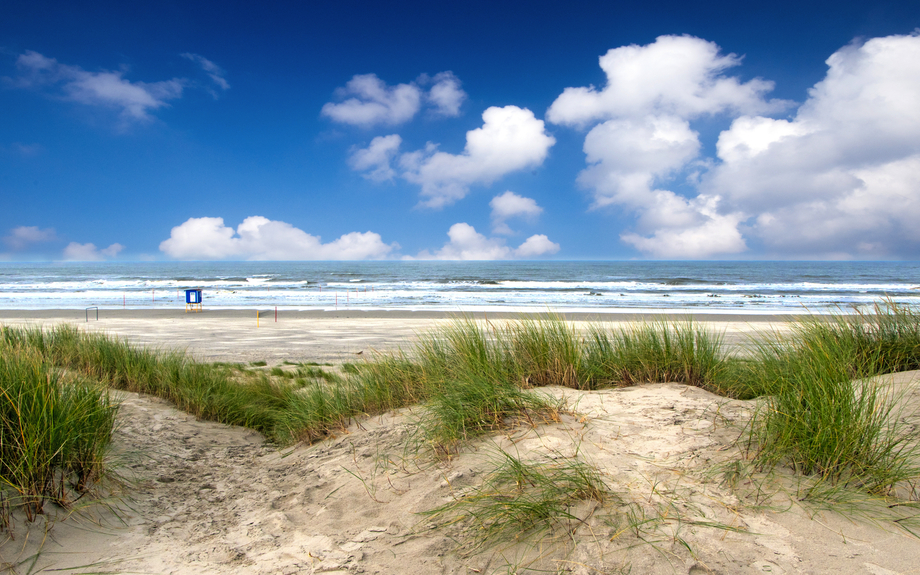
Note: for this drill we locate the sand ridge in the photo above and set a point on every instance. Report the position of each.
(209, 498)
(203, 497)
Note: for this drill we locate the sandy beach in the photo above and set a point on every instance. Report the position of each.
(300, 336)
(202, 497)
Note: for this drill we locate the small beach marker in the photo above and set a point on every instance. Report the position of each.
(257, 318)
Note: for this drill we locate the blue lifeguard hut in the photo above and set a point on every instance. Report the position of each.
(193, 300)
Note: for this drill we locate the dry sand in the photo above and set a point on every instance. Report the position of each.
(209, 498)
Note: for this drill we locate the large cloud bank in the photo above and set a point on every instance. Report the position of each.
(839, 179)
(258, 238)
(842, 178)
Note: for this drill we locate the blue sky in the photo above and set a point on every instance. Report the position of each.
(473, 130)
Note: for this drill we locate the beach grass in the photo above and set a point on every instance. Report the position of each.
(474, 405)
(545, 352)
(55, 433)
(824, 415)
(521, 500)
(313, 412)
(655, 352)
(204, 390)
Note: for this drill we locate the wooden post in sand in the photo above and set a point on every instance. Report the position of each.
(257, 318)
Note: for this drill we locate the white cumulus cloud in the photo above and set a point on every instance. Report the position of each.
(446, 94)
(626, 157)
(679, 76)
(110, 89)
(367, 101)
(375, 159)
(627, 162)
(510, 205)
(465, 243)
(89, 252)
(686, 229)
(509, 140)
(372, 102)
(536, 245)
(258, 238)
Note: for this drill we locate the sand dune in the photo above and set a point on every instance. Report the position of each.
(207, 498)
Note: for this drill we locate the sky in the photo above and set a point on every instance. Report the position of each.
(596, 130)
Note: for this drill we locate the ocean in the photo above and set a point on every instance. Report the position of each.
(595, 287)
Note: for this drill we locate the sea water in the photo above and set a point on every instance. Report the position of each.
(699, 287)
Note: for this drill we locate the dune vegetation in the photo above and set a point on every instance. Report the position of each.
(819, 414)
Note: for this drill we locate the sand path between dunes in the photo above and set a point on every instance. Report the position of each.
(209, 498)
